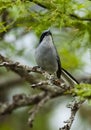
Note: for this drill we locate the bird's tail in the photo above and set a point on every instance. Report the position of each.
(68, 78)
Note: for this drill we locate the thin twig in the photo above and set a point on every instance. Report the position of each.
(36, 109)
(74, 106)
(79, 18)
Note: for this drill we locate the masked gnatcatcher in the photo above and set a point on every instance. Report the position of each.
(47, 58)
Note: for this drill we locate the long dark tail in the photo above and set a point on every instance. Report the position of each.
(67, 77)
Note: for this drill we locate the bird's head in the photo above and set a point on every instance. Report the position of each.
(44, 35)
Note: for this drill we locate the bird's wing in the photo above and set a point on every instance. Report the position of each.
(59, 67)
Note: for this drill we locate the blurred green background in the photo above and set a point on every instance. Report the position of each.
(21, 24)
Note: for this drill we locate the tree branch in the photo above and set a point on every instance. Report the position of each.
(20, 100)
(79, 18)
(51, 88)
(74, 106)
(36, 109)
(38, 3)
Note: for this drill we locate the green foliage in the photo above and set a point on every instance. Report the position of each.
(83, 91)
(73, 62)
(55, 13)
(38, 15)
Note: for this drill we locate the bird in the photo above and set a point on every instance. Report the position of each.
(47, 58)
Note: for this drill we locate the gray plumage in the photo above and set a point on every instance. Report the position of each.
(47, 58)
(46, 54)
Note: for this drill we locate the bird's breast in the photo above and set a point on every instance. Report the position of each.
(46, 58)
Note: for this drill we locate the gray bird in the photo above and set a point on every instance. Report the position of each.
(47, 58)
